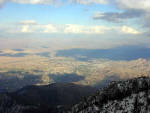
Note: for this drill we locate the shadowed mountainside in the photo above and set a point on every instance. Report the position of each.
(43, 99)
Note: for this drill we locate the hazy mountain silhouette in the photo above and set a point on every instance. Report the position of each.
(118, 53)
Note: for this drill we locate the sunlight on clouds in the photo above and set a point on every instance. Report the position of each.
(129, 30)
(46, 2)
(50, 29)
(25, 29)
(30, 26)
(80, 29)
(54, 2)
(28, 22)
(70, 29)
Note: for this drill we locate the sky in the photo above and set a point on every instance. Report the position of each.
(109, 22)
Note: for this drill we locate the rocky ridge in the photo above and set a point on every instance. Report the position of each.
(130, 96)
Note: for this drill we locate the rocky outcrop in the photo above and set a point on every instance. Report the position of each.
(131, 96)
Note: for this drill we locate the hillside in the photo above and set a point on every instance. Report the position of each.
(131, 96)
(54, 94)
(46, 98)
(128, 96)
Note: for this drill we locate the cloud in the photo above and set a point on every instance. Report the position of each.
(127, 10)
(80, 29)
(129, 30)
(119, 16)
(44, 2)
(31, 26)
(54, 2)
(34, 2)
(133, 4)
(50, 29)
(29, 22)
(87, 2)
(25, 29)
(136, 5)
(2, 2)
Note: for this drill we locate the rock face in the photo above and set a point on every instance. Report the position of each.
(131, 96)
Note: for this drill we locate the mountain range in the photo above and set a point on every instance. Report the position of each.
(124, 96)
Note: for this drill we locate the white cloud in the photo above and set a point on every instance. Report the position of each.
(30, 26)
(80, 29)
(25, 29)
(86, 2)
(46, 2)
(50, 29)
(54, 2)
(75, 29)
(129, 30)
(28, 22)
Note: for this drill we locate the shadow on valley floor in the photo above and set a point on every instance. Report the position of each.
(118, 53)
(43, 54)
(14, 55)
(14, 80)
(18, 49)
(66, 77)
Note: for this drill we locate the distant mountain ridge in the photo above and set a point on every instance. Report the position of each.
(117, 53)
(130, 96)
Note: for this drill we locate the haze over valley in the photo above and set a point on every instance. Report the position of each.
(94, 67)
(73, 56)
